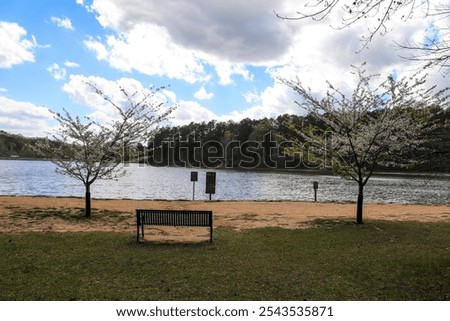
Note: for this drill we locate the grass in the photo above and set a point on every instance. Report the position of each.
(334, 260)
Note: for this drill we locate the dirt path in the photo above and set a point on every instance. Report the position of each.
(60, 214)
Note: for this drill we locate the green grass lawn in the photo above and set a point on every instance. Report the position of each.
(335, 260)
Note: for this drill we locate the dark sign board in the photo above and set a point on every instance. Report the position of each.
(194, 176)
(210, 182)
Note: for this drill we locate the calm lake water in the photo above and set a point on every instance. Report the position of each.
(19, 177)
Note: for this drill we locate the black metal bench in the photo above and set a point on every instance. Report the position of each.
(174, 218)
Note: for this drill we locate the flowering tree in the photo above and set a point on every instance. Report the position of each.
(89, 150)
(374, 126)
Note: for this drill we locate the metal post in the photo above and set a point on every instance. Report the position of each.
(210, 183)
(315, 186)
(138, 223)
(194, 178)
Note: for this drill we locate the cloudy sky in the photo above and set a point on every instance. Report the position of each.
(217, 59)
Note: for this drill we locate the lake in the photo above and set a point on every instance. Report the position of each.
(22, 177)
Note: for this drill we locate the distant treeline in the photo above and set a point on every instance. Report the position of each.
(270, 143)
(247, 144)
(18, 146)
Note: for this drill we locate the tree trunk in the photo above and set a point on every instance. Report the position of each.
(359, 204)
(87, 198)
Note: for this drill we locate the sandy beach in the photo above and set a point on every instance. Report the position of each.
(19, 214)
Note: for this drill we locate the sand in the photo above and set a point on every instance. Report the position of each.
(20, 214)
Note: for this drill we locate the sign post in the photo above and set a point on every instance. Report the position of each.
(210, 183)
(315, 186)
(194, 178)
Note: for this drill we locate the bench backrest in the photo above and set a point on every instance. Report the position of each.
(174, 217)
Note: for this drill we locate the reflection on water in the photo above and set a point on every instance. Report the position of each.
(39, 178)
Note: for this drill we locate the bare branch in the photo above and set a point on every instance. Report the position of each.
(379, 16)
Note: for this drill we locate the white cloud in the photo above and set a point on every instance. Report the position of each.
(103, 111)
(202, 94)
(14, 48)
(191, 111)
(225, 36)
(279, 99)
(274, 100)
(170, 95)
(58, 72)
(97, 47)
(251, 97)
(149, 49)
(71, 64)
(63, 23)
(236, 31)
(24, 118)
(319, 54)
(226, 70)
(80, 92)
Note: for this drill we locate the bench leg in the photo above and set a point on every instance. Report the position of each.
(137, 234)
(138, 222)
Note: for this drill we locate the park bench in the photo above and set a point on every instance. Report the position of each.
(174, 218)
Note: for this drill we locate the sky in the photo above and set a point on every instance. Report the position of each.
(215, 59)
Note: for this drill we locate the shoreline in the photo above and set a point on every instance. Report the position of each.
(308, 171)
(218, 200)
(21, 214)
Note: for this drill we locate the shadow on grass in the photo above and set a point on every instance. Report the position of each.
(68, 214)
(147, 244)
